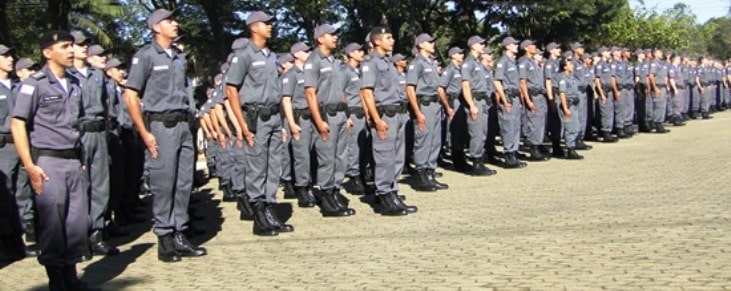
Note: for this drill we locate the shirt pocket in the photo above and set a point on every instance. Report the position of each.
(384, 78)
(4, 107)
(258, 72)
(51, 108)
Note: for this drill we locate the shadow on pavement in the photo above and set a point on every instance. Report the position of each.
(109, 267)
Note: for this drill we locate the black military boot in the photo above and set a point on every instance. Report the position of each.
(459, 161)
(32, 251)
(677, 121)
(581, 145)
(571, 154)
(288, 188)
(244, 206)
(55, 279)
(339, 200)
(305, 199)
(187, 249)
(29, 227)
(166, 249)
(261, 223)
(628, 130)
(607, 137)
(356, 185)
(99, 246)
(431, 174)
(660, 129)
(228, 194)
(423, 184)
(329, 206)
(558, 151)
(274, 221)
(512, 162)
(400, 203)
(621, 133)
(389, 206)
(706, 115)
(536, 155)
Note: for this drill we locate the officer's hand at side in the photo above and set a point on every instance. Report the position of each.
(420, 121)
(508, 107)
(450, 113)
(349, 125)
(151, 143)
(474, 112)
(284, 135)
(296, 130)
(657, 93)
(249, 136)
(324, 130)
(37, 177)
(567, 114)
(531, 106)
(382, 129)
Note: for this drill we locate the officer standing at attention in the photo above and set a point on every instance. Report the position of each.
(507, 88)
(358, 139)
(253, 90)
(50, 150)
(586, 79)
(451, 81)
(92, 128)
(326, 100)
(622, 82)
(552, 74)
(604, 82)
(425, 96)
(387, 111)
(157, 74)
(658, 81)
(532, 89)
(477, 103)
(301, 128)
(569, 99)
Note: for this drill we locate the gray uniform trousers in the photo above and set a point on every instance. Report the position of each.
(624, 109)
(116, 171)
(707, 98)
(695, 97)
(224, 163)
(582, 111)
(357, 147)
(534, 124)
(9, 168)
(510, 125)
(659, 104)
(24, 195)
(301, 152)
(332, 157)
(649, 107)
(212, 147)
(170, 176)
(477, 128)
(571, 127)
(728, 95)
(678, 101)
(388, 154)
(428, 143)
(264, 160)
(287, 156)
(62, 212)
(236, 169)
(96, 160)
(606, 110)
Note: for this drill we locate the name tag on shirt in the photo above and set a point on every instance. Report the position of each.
(160, 68)
(326, 69)
(45, 99)
(258, 63)
(3, 97)
(354, 78)
(27, 89)
(457, 76)
(301, 81)
(428, 70)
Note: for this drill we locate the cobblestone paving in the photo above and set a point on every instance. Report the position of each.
(653, 212)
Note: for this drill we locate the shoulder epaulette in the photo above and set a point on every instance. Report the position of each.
(39, 75)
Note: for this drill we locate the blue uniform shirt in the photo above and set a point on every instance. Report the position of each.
(254, 71)
(160, 79)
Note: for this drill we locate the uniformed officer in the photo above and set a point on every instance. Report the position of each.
(51, 152)
(584, 73)
(552, 74)
(476, 105)
(387, 110)
(569, 99)
(533, 94)
(92, 127)
(157, 74)
(677, 86)
(359, 151)
(451, 81)
(625, 116)
(620, 77)
(507, 88)
(327, 104)
(427, 100)
(286, 63)
(301, 128)
(254, 92)
(658, 81)
(605, 83)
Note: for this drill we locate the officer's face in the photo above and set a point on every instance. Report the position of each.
(98, 62)
(569, 67)
(80, 51)
(556, 52)
(385, 42)
(168, 28)
(458, 57)
(6, 63)
(513, 48)
(302, 55)
(428, 46)
(114, 74)
(531, 49)
(658, 54)
(24, 73)
(329, 40)
(357, 55)
(262, 29)
(61, 53)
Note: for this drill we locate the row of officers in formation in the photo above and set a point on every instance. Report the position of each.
(306, 120)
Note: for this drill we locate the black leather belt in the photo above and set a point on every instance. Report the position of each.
(480, 96)
(92, 126)
(69, 154)
(536, 91)
(574, 101)
(681, 87)
(333, 109)
(262, 111)
(357, 111)
(511, 91)
(305, 114)
(391, 110)
(427, 99)
(5, 138)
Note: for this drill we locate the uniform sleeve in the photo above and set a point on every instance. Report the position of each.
(238, 69)
(613, 70)
(288, 84)
(562, 86)
(139, 71)
(446, 78)
(500, 70)
(654, 68)
(598, 70)
(672, 73)
(368, 75)
(522, 69)
(466, 71)
(412, 75)
(548, 71)
(312, 71)
(26, 101)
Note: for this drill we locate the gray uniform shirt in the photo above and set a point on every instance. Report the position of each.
(160, 78)
(423, 75)
(379, 74)
(660, 70)
(604, 72)
(113, 100)
(7, 102)
(624, 73)
(474, 72)
(642, 70)
(293, 85)
(93, 93)
(51, 112)
(351, 78)
(551, 72)
(569, 85)
(531, 72)
(321, 74)
(507, 71)
(254, 71)
(451, 80)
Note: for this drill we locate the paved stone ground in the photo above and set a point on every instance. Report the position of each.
(652, 212)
